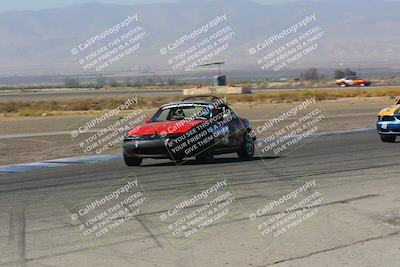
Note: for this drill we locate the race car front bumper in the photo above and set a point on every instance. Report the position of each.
(146, 148)
(174, 146)
(388, 127)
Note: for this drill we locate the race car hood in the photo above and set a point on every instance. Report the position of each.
(168, 127)
(390, 111)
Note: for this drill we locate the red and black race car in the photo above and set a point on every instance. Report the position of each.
(190, 128)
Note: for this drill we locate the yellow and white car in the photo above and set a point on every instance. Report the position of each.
(388, 124)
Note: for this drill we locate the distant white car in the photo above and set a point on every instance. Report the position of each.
(352, 81)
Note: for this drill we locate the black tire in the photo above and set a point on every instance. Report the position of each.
(246, 152)
(388, 138)
(132, 161)
(206, 156)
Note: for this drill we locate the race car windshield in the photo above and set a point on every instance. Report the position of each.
(177, 113)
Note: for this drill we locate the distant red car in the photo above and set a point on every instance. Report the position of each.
(190, 128)
(352, 81)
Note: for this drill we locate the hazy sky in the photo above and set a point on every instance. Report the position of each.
(44, 4)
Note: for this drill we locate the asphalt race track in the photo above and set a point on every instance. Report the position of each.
(356, 174)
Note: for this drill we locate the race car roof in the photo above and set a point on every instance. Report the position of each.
(186, 104)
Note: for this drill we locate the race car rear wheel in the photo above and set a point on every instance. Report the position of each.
(132, 161)
(246, 152)
(388, 138)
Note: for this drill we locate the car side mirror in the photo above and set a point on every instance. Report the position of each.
(148, 120)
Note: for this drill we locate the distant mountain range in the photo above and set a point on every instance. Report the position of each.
(357, 32)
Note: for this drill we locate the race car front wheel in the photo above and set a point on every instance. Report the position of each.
(246, 152)
(132, 161)
(388, 138)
